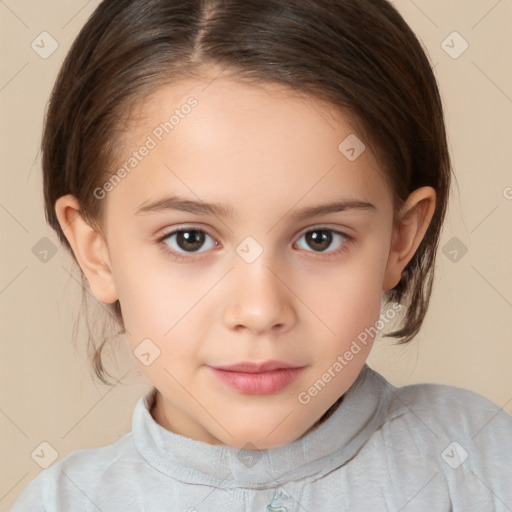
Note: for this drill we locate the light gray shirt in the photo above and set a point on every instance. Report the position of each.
(421, 448)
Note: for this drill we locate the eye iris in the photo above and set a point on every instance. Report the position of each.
(195, 239)
(192, 240)
(320, 239)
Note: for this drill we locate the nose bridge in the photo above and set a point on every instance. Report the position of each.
(255, 271)
(260, 301)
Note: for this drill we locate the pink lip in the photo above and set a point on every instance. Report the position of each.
(257, 378)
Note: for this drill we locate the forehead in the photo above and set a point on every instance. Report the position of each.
(249, 138)
(248, 94)
(230, 107)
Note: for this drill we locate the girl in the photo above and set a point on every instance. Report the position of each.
(253, 187)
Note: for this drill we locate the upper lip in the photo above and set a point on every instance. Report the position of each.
(253, 367)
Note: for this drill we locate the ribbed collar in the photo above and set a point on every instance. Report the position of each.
(323, 449)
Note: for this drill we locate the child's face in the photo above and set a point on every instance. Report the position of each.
(258, 288)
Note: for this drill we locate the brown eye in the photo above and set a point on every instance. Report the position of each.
(321, 239)
(190, 240)
(182, 241)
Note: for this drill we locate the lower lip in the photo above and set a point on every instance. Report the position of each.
(263, 383)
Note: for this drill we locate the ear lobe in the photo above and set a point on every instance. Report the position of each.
(89, 248)
(408, 233)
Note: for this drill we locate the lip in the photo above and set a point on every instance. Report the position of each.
(252, 378)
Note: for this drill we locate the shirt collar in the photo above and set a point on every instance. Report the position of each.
(321, 450)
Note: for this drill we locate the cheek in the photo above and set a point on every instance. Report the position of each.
(142, 287)
(347, 296)
(158, 299)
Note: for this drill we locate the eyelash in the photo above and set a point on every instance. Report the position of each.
(180, 256)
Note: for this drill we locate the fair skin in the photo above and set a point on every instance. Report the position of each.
(267, 154)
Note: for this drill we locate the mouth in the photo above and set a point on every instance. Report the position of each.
(265, 378)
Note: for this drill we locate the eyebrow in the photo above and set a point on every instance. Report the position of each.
(178, 203)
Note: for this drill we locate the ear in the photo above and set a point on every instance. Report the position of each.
(89, 248)
(408, 233)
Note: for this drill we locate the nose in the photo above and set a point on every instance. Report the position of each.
(260, 300)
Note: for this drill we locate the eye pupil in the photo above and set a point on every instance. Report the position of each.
(194, 238)
(321, 241)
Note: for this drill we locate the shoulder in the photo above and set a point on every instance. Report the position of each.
(73, 479)
(449, 424)
(451, 409)
(97, 460)
(451, 441)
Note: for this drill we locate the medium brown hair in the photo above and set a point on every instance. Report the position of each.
(358, 55)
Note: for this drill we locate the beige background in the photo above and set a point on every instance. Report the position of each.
(47, 392)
